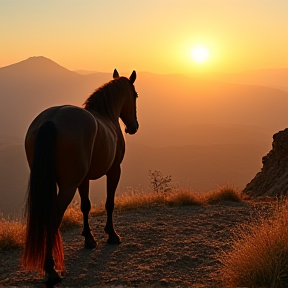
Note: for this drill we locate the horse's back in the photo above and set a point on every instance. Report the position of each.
(76, 130)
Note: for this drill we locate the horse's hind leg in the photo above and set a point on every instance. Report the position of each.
(52, 277)
(90, 241)
(65, 197)
(113, 177)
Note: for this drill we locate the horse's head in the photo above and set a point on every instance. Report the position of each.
(128, 112)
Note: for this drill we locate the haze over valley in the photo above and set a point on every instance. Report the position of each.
(203, 131)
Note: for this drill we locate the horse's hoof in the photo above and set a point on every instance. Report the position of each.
(90, 242)
(114, 239)
(51, 282)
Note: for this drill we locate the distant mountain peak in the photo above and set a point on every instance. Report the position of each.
(38, 66)
(38, 57)
(44, 62)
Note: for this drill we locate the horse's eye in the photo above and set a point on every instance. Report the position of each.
(136, 93)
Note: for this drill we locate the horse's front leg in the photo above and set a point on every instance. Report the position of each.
(90, 241)
(113, 177)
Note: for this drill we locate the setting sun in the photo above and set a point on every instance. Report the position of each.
(200, 53)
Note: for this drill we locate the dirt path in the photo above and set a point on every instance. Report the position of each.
(170, 246)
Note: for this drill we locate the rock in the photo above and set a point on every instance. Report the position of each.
(272, 180)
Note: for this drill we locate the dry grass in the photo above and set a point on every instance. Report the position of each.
(184, 198)
(12, 233)
(259, 255)
(12, 230)
(134, 200)
(72, 218)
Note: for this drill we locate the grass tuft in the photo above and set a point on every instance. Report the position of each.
(184, 198)
(225, 193)
(259, 255)
(12, 234)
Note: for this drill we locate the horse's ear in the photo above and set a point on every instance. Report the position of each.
(133, 77)
(115, 74)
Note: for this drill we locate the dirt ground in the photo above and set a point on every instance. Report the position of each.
(161, 246)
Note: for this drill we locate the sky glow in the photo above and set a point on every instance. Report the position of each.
(151, 35)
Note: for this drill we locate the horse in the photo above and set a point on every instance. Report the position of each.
(66, 147)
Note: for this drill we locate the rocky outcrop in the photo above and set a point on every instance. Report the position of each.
(272, 180)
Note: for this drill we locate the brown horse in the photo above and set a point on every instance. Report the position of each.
(67, 146)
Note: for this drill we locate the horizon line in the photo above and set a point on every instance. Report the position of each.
(88, 71)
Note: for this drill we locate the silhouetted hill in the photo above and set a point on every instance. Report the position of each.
(36, 67)
(30, 86)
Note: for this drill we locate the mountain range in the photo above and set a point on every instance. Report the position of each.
(201, 130)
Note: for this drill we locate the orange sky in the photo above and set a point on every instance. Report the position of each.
(149, 35)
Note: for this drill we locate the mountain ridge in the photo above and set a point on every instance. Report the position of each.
(232, 124)
(184, 101)
(46, 64)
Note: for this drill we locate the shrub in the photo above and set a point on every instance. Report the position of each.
(159, 182)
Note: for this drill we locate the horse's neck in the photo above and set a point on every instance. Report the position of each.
(111, 115)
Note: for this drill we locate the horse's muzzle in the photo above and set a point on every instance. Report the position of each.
(132, 129)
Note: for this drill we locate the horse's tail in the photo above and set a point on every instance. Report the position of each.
(42, 227)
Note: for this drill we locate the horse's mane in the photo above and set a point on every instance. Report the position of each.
(108, 96)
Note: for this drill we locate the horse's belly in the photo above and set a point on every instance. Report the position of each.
(100, 165)
(103, 155)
